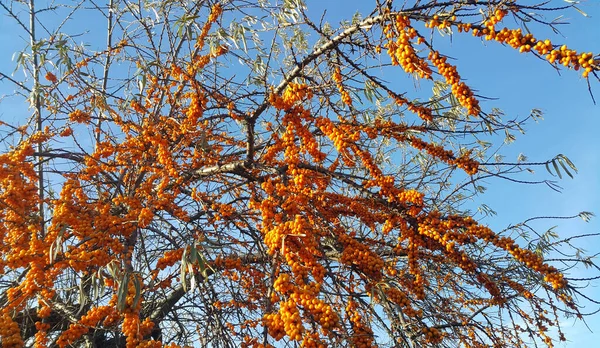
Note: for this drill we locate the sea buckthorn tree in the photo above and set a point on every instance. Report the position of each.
(236, 173)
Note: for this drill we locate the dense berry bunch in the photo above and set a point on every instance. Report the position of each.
(10, 333)
(402, 51)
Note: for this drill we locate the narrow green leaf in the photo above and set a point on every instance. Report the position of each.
(112, 269)
(556, 168)
(552, 233)
(138, 291)
(201, 263)
(184, 254)
(244, 39)
(562, 164)
(548, 168)
(182, 275)
(193, 253)
(580, 11)
(586, 216)
(569, 163)
(82, 298)
(368, 92)
(122, 292)
(96, 285)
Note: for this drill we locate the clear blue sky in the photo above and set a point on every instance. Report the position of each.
(521, 82)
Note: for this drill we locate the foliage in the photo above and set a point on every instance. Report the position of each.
(244, 174)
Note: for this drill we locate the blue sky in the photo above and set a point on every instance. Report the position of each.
(520, 82)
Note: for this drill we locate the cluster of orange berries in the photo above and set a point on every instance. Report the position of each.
(81, 257)
(465, 162)
(169, 258)
(432, 232)
(292, 322)
(321, 312)
(522, 42)
(491, 287)
(569, 57)
(215, 12)
(176, 72)
(72, 334)
(422, 111)
(231, 262)
(287, 321)
(308, 178)
(337, 78)
(447, 234)
(416, 285)
(312, 340)
(362, 257)
(385, 182)
(130, 305)
(111, 318)
(19, 257)
(274, 324)
(293, 93)
(496, 17)
(533, 261)
(388, 129)
(460, 90)
(66, 132)
(75, 331)
(555, 278)
(41, 336)
(44, 310)
(363, 335)
(338, 137)
(527, 257)
(79, 116)
(436, 151)
(40, 137)
(401, 299)
(402, 52)
(432, 335)
(131, 329)
(411, 196)
(282, 283)
(387, 226)
(291, 150)
(294, 126)
(440, 22)
(528, 43)
(150, 344)
(51, 77)
(299, 269)
(269, 205)
(10, 333)
(146, 327)
(273, 236)
(196, 108)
